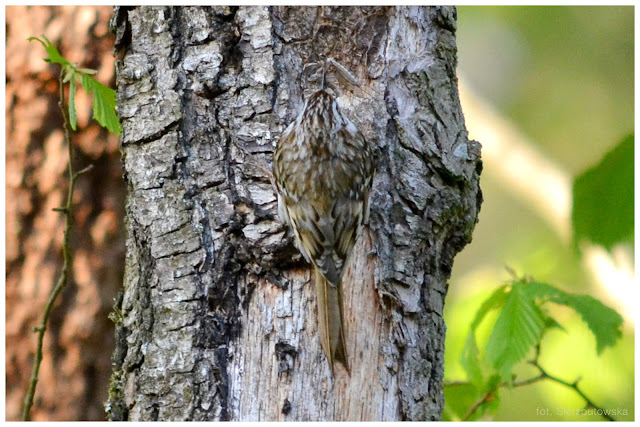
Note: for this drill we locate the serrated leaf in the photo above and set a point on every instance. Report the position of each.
(470, 360)
(603, 198)
(604, 322)
(73, 117)
(104, 103)
(54, 55)
(517, 330)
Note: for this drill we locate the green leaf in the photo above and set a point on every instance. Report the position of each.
(104, 103)
(73, 117)
(518, 328)
(104, 98)
(495, 301)
(604, 322)
(551, 323)
(491, 404)
(458, 399)
(603, 198)
(470, 360)
(492, 401)
(54, 55)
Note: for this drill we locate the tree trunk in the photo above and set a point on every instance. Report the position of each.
(218, 318)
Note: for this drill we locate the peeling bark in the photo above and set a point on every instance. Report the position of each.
(218, 317)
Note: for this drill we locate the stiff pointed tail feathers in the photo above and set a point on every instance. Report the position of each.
(331, 320)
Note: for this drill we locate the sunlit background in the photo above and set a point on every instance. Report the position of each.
(548, 91)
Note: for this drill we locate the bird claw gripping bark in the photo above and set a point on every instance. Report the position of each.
(323, 168)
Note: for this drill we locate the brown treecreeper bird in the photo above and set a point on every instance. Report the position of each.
(323, 168)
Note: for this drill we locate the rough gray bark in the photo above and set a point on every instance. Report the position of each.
(217, 319)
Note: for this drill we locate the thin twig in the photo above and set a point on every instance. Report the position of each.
(574, 387)
(455, 383)
(66, 255)
(544, 375)
(486, 396)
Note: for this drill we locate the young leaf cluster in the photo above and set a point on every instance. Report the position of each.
(104, 98)
(522, 321)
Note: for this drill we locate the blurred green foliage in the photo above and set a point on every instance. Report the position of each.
(564, 76)
(603, 199)
(524, 317)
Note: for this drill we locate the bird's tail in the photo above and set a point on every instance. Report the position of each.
(330, 320)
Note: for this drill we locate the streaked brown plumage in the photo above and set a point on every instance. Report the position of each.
(323, 170)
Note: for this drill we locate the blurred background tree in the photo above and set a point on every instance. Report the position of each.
(548, 91)
(76, 368)
(562, 76)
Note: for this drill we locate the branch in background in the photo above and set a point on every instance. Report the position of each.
(490, 394)
(104, 103)
(574, 386)
(67, 210)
